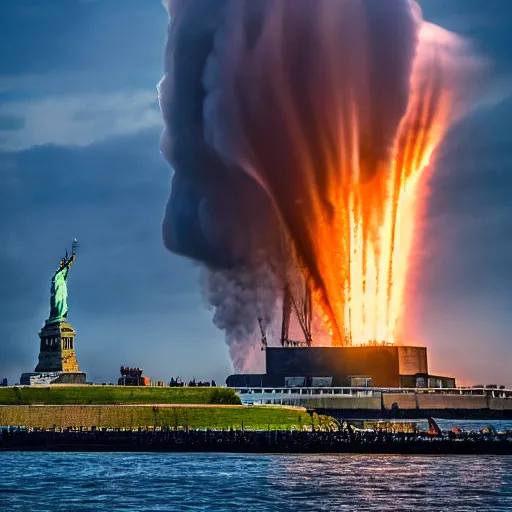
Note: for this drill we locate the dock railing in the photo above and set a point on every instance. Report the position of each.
(283, 395)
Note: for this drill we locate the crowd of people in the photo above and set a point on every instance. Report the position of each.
(293, 343)
(178, 383)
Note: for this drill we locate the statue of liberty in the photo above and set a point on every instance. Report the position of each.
(59, 288)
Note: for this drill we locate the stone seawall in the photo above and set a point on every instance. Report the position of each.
(48, 416)
(343, 402)
(411, 406)
(126, 416)
(432, 401)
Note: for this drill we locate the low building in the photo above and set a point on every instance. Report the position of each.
(384, 366)
(132, 377)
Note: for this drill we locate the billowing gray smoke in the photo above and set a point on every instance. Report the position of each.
(273, 109)
(216, 214)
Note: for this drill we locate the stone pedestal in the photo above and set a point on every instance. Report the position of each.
(48, 378)
(57, 349)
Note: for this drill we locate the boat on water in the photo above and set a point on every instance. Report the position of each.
(412, 427)
(388, 426)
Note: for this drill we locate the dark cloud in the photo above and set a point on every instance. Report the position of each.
(111, 197)
(104, 196)
(17, 276)
(11, 123)
(79, 44)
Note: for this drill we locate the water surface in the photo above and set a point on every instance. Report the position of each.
(111, 482)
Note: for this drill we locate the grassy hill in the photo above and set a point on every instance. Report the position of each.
(106, 395)
(120, 406)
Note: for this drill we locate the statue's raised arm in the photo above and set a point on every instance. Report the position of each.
(71, 259)
(59, 290)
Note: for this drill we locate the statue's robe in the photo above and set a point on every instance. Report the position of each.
(59, 296)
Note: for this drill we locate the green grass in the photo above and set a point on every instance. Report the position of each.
(101, 410)
(104, 395)
(256, 418)
(198, 417)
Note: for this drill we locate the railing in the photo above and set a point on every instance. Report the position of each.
(299, 393)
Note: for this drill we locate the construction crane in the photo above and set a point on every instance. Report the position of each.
(263, 335)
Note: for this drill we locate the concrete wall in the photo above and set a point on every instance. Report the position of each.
(412, 360)
(71, 378)
(500, 404)
(431, 401)
(49, 416)
(416, 403)
(348, 403)
(400, 400)
(440, 402)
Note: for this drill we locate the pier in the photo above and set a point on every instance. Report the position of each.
(344, 440)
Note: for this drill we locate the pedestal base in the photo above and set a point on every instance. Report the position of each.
(70, 378)
(57, 350)
(48, 378)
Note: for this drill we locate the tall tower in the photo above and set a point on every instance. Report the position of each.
(57, 356)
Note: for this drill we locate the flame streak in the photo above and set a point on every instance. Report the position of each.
(380, 245)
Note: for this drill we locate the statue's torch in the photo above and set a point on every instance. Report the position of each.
(74, 246)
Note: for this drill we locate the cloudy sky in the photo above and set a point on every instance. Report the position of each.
(79, 137)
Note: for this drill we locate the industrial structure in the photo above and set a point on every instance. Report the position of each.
(299, 364)
(387, 366)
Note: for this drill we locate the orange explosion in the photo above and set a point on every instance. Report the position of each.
(376, 220)
(335, 110)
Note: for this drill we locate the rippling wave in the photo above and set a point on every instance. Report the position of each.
(111, 482)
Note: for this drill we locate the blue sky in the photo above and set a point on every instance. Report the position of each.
(79, 157)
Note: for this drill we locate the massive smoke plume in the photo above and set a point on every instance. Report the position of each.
(298, 131)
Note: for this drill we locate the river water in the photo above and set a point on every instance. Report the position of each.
(111, 482)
